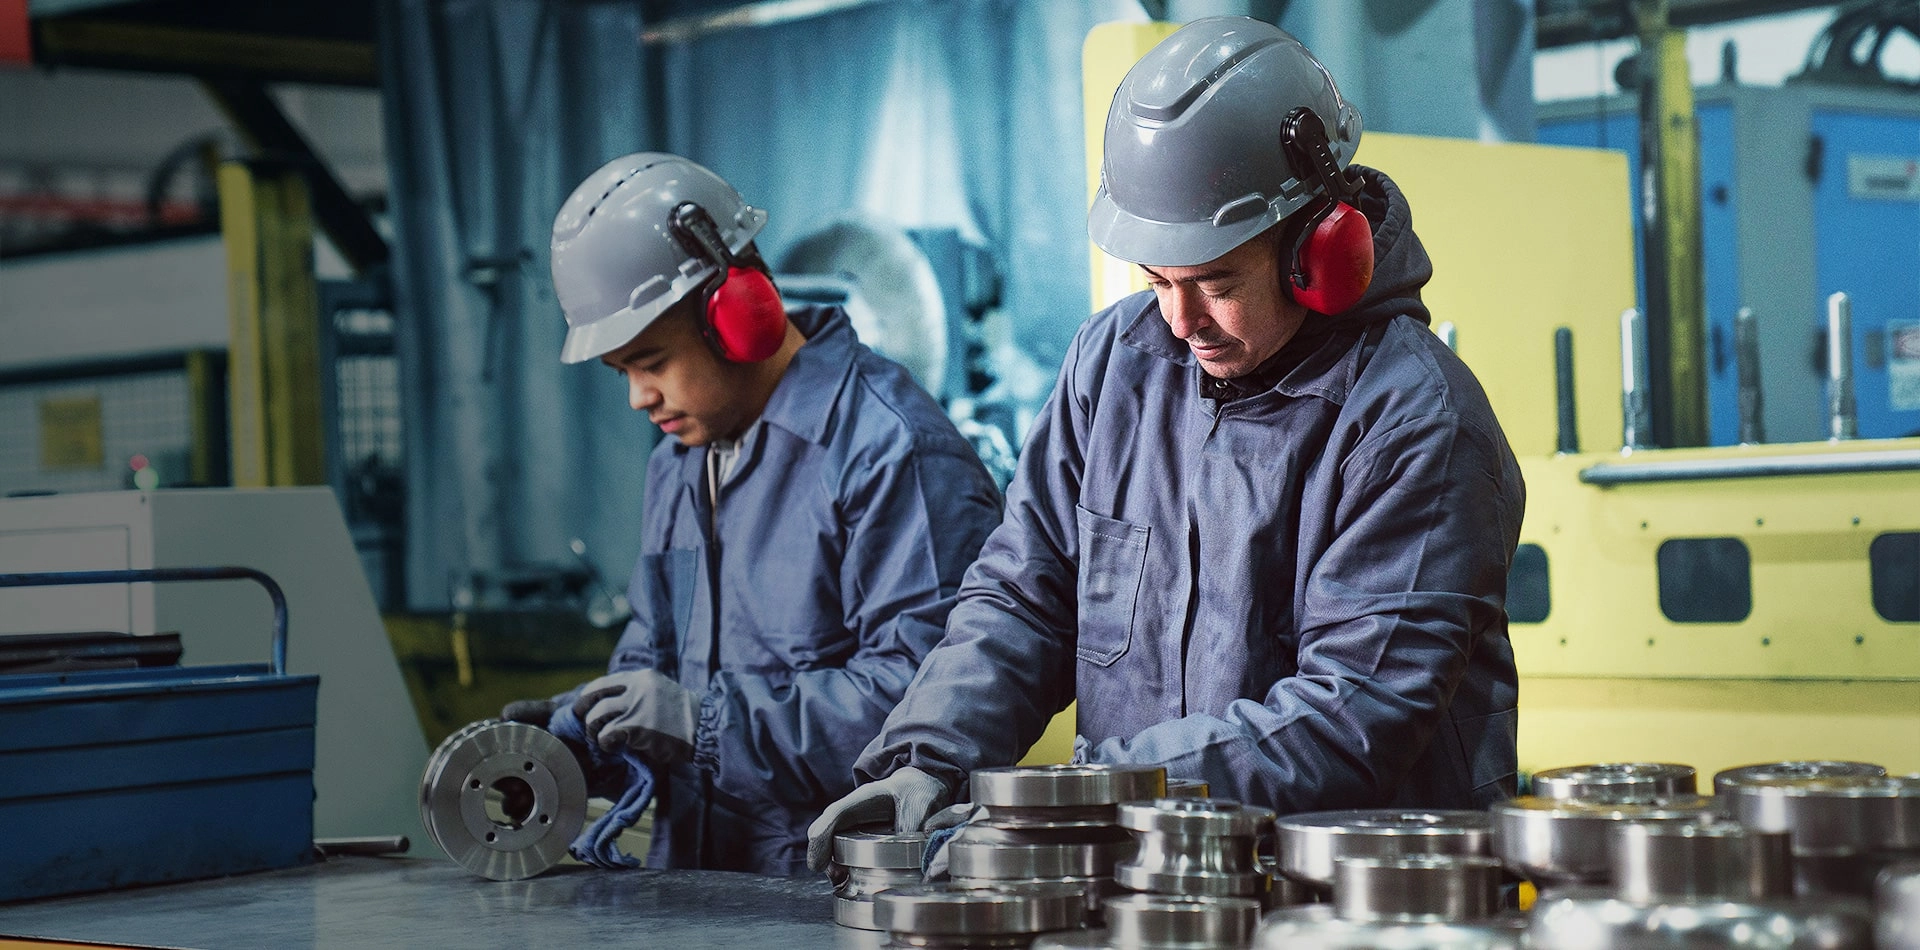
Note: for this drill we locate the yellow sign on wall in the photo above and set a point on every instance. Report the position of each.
(70, 433)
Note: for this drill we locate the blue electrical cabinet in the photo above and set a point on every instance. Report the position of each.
(1805, 190)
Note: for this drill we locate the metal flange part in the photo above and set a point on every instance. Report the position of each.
(503, 799)
(1203, 817)
(1579, 919)
(934, 911)
(1571, 840)
(1420, 888)
(1835, 815)
(1317, 926)
(1726, 779)
(1065, 786)
(1155, 920)
(1896, 901)
(868, 849)
(1613, 781)
(1014, 862)
(1701, 860)
(1311, 842)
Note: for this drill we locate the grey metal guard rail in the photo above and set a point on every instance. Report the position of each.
(277, 663)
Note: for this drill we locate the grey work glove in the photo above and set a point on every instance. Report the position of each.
(532, 712)
(905, 798)
(643, 710)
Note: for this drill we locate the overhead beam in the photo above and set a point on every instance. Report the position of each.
(111, 44)
(260, 120)
(1596, 20)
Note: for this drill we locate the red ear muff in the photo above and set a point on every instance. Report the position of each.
(745, 318)
(1332, 259)
(1334, 264)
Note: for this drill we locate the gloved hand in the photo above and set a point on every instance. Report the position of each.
(643, 710)
(532, 712)
(905, 798)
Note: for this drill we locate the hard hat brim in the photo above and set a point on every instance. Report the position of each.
(1137, 240)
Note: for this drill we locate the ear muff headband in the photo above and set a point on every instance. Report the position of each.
(1330, 262)
(741, 314)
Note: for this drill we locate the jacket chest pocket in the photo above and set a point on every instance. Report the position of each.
(675, 584)
(1113, 558)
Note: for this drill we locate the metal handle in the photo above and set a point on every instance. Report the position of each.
(1568, 430)
(1746, 362)
(1636, 417)
(1842, 416)
(276, 665)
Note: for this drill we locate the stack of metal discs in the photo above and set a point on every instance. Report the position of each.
(1311, 843)
(1199, 847)
(1570, 841)
(1164, 922)
(1415, 900)
(866, 863)
(1725, 780)
(1579, 919)
(1050, 825)
(935, 916)
(1844, 829)
(503, 799)
(1615, 781)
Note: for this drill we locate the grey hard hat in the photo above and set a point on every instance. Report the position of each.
(1193, 165)
(616, 263)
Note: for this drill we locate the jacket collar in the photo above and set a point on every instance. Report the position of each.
(802, 403)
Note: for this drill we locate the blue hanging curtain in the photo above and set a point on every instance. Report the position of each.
(931, 113)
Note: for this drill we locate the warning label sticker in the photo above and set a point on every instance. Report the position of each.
(1903, 364)
(1887, 177)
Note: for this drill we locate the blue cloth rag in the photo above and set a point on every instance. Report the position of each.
(623, 777)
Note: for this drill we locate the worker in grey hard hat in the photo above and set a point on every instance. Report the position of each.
(1261, 530)
(807, 518)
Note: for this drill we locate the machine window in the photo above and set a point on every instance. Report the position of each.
(1894, 559)
(1529, 597)
(1705, 580)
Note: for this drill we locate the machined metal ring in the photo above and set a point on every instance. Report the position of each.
(503, 799)
(1835, 815)
(1616, 780)
(1065, 786)
(1700, 860)
(982, 912)
(1202, 817)
(1157, 920)
(1010, 862)
(1419, 888)
(1311, 842)
(1571, 840)
(1725, 780)
(869, 849)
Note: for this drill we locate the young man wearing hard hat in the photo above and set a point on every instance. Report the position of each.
(1261, 531)
(807, 519)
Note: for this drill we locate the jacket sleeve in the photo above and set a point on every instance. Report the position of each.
(914, 518)
(1006, 666)
(1413, 578)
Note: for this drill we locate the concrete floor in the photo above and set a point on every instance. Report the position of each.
(418, 902)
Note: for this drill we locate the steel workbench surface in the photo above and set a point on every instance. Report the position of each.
(423, 902)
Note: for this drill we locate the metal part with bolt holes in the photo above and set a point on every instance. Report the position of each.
(503, 799)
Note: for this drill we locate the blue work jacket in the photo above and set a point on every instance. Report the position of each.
(843, 534)
(1297, 594)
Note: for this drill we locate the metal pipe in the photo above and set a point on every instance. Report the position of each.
(1746, 364)
(1569, 428)
(1635, 417)
(277, 663)
(1843, 421)
(1831, 463)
